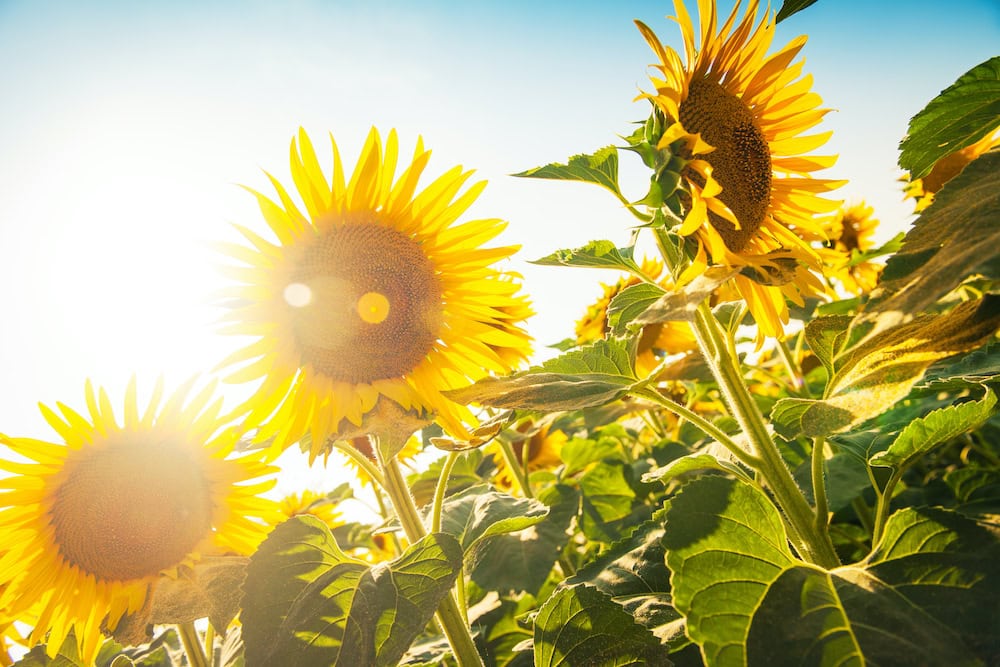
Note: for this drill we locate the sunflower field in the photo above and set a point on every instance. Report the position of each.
(770, 441)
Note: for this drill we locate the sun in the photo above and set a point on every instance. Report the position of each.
(373, 292)
(738, 118)
(90, 524)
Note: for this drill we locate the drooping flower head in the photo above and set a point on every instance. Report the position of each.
(91, 523)
(852, 229)
(922, 190)
(737, 116)
(373, 292)
(655, 339)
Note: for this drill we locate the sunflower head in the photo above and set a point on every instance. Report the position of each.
(922, 190)
(319, 505)
(852, 230)
(91, 522)
(372, 292)
(734, 120)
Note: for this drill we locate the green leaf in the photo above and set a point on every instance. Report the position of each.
(607, 497)
(579, 626)
(873, 376)
(578, 453)
(478, 513)
(725, 545)
(634, 574)
(679, 305)
(600, 167)
(749, 601)
(691, 463)
(209, 588)
(826, 337)
(809, 616)
(631, 302)
(295, 554)
(790, 7)
(594, 255)
(940, 426)
(595, 374)
(523, 562)
(979, 367)
(395, 601)
(945, 563)
(958, 235)
(961, 115)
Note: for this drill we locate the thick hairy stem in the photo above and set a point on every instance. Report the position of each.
(192, 645)
(814, 545)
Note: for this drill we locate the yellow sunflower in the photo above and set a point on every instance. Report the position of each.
(656, 339)
(852, 228)
(922, 190)
(737, 116)
(91, 523)
(372, 293)
(544, 446)
(311, 503)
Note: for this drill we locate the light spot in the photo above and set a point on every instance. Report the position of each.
(298, 295)
(373, 307)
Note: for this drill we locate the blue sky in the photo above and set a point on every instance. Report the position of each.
(125, 128)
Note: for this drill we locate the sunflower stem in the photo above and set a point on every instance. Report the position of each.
(706, 427)
(793, 368)
(516, 469)
(819, 484)
(363, 461)
(210, 644)
(440, 490)
(449, 615)
(719, 351)
(192, 644)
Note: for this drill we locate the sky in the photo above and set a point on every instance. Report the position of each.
(127, 128)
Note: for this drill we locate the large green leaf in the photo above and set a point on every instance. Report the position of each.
(600, 167)
(592, 375)
(395, 601)
(679, 305)
(479, 513)
(294, 555)
(749, 601)
(846, 617)
(958, 235)
(826, 337)
(939, 426)
(579, 626)
(790, 7)
(634, 574)
(725, 545)
(522, 562)
(308, 604)
(961, 115)
(873, 376)
(945, 563)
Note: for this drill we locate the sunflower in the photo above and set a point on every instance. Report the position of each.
(655, 339)
(736, 117)
(922, 190)
(544, 446)
(374, 293)
(310, 503)
(91, 523)
(852, 229)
